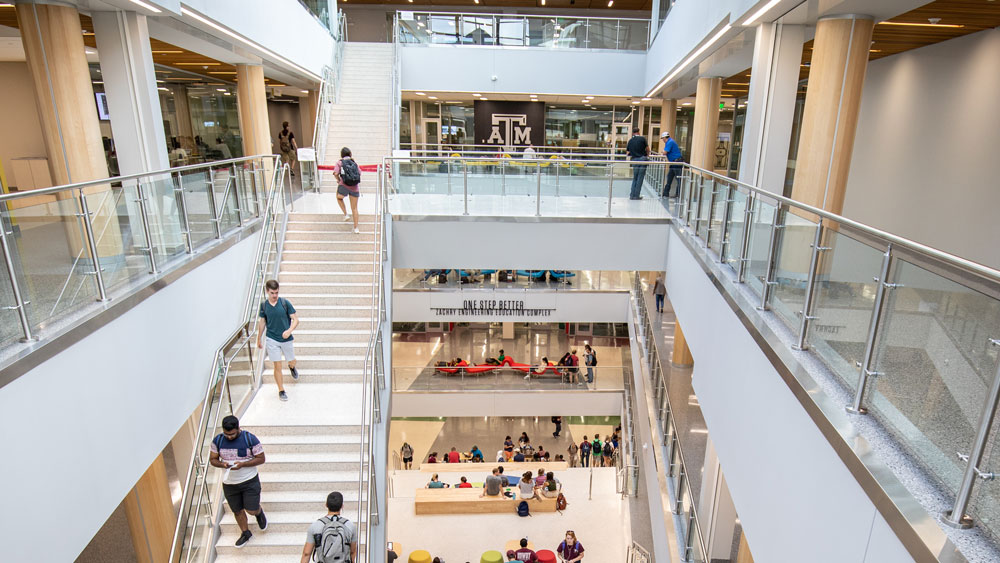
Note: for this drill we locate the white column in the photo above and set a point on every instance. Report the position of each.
(130, 84)
(771, 105)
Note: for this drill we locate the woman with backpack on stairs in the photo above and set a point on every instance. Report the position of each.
(348, 176)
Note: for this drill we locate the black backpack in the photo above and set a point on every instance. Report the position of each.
(593, 358)
(332, 544)
(522, 508)
(350, 174)
(609, 449)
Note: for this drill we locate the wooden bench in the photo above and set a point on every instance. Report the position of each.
(509, 467)
(468, 501)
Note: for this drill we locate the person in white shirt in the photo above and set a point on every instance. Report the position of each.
(529, 152)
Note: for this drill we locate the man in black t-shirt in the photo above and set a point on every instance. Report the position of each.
(638, 150)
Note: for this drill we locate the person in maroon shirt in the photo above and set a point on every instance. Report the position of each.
(570, 550)
(525, 554)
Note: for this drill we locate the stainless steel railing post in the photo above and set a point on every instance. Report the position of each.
(538, 197)
(557, 178)
(724, 229)
(182, 200)
(212, 203)
(772, 251)
(465, 185)
(503, 176)
(741, 271)
(956, 517)
(874, 326)
(810, 297)
(689, 539)
(611, 185)
(238, 183)
(15, 288)
(88, 229)
(679, 491)
(144, 216)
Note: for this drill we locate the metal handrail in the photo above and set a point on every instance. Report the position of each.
(517, 16)
(116, 179)
(247, 327)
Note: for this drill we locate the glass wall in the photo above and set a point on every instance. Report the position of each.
(324, 10)
(201, 122)
(578, 127)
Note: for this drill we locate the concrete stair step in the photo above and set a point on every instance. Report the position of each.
(284, 521)
(327, 323)
(308, 480)
(333, 347)
(313, 444)
(329, 299)
(285, 545)
(302, 217)
(299, 432)
(328, 265)
(366, 236)
(306, 379)
(359, 337)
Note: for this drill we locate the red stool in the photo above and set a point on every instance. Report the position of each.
(546, 556)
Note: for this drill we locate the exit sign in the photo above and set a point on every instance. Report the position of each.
(722, 105)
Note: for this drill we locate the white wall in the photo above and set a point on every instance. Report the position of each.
(508, 403)
(560, 245)
(81, 428)
(790, 487)
(567, 306)
(283, 26)
(924, 163)
(19, 114)
(542, 71)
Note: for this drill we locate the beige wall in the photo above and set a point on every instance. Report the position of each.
(19, 119)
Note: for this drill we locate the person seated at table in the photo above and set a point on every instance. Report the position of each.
(525, 554)
(541, 454)
(476, 454)
(540, 477)
(433, 458)
(465, 484)
(526, 486)
(552, 486)
(436, 483)
(523, 440)
(494, 483)
(508, 448)
(453, 456)
(528, 450)
(518, 457)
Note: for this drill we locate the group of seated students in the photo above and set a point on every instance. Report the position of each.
(568, 366)
(544, 484)
(524, 451)
(476, 276)
(475, 455)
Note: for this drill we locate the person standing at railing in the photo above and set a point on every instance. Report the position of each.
(278, 316)
(638, 152)
(239, 453)
(673, 153)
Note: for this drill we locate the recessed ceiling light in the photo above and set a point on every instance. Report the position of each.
(163, 89)
(432, 97)
(646, 99)
(227, 94)
(636, 102)
(304, 91)
(533, 95)
(543, 2)
(484, 99)
(686, 104)
(167, 52)
(198, 64)
(420, 93)
(590, 97)
(476, 95)
(585, 101)
(611, 3)
(220, 89)
(147, 6)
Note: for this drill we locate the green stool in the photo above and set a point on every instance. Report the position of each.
(491, 557)
(420, 556)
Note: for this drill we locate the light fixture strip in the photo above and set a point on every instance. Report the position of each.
(692, 57)
(763, 10)
(149, 7)
(213, 25)
(915, 24)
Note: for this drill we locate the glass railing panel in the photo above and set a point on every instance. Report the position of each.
(197, 201)
(735, 229)
(477, 30)
(224, 187)
(706, 190)
(764, 215)
(845, 297)
(50, 255)
(602, 34)
(163, 212)
(792, 268)
(716, 232)
(470, 279)
(930, 392)
(241, 375)
(511, 31)
(199, 524)
(10, 323)
(633, 35)
(121, 237)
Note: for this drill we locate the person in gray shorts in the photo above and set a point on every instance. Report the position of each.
(279, 318)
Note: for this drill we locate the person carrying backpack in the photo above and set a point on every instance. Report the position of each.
(590, 360)
(609, 453)
(598, 449)
(570, 550)
(278, 316)
(332, 538)
(286, 144)
(348, 176)
(585, 452)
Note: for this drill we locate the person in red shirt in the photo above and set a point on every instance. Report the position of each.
(465, 484)
(525, 554)
(432, 458)
(453, 456)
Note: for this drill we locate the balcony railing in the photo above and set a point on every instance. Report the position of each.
(512, 30)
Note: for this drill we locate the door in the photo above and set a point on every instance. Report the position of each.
(432, 135)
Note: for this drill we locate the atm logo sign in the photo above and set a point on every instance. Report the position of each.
(514, 127)
(510, 124)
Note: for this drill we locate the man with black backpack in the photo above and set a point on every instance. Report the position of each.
(278, 317)
(332, 538)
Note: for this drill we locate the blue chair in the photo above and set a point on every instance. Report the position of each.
(533, 274)
(561, 275)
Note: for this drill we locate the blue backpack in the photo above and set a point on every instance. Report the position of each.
(522, 508)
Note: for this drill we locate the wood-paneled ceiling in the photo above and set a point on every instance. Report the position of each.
(646, 5)
(208, 70)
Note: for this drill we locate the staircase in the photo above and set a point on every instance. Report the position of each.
(360, 118)
(312, 441)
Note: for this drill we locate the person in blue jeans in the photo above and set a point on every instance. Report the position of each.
(638, 151)
(673, 153)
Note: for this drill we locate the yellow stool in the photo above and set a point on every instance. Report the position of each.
(492, 557)
(421, 556)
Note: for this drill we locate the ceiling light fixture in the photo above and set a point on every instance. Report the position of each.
(167, 52)
(590, 97)
(484, 99)
(636, 102)
(153, 9)
(476, 95)
(753, 19)
(611, 3)
(198, 64)
(220, 89)
(420, 93)
(187, 12)
(543, 2)
(950, 25)
(646, 99)
(304, 91)
(431, 97)
(686, 104)
(692, 57)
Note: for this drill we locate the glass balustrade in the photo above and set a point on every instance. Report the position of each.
(468, 279)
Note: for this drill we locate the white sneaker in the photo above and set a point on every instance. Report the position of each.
(357, 231)
(527, 376)
(347, 217)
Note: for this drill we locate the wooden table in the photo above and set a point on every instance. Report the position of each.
(509, 467)
(468, 501)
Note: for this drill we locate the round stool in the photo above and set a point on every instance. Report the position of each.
(420, 556)
(546, 556)
(491, 557)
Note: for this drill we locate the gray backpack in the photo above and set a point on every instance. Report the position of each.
(332, 544)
